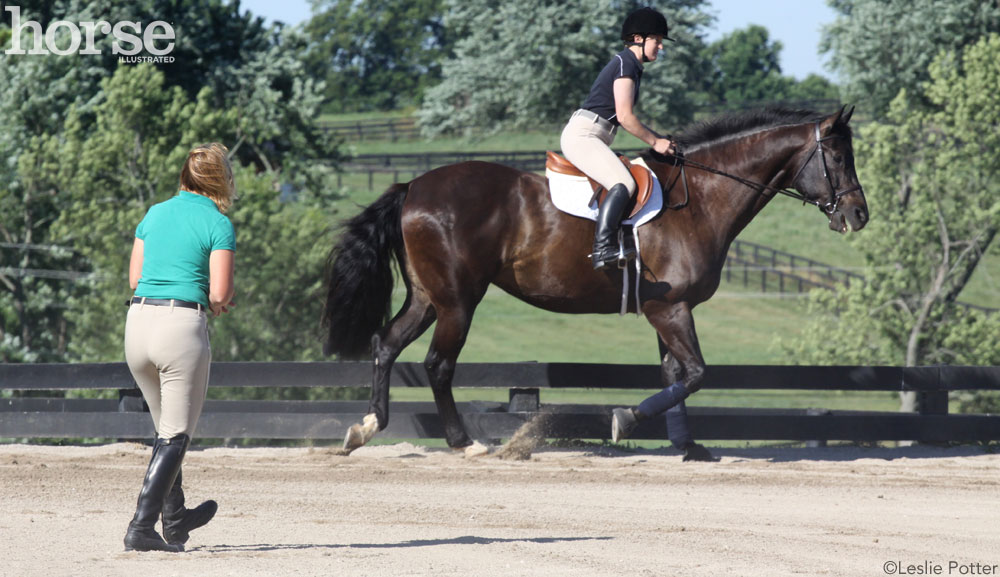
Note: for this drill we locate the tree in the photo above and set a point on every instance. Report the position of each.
(525, 63)
(931, 177)
(87, 156)
(376, 54)
(882, 46)
(744, 67)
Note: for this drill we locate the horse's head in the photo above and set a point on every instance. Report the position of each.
(826, 176)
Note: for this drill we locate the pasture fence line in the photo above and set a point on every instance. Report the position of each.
(25, 411)
(771, 270)
(391, 129)
(407, 127)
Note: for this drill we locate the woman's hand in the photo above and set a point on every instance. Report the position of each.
(664, 146)
(220, 309)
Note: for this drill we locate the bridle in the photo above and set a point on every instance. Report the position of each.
(831, 206)
(828, 207)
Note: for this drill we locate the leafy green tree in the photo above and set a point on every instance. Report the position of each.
(932, 179)
(813, 87)
(882, 46)
(87, 156)
(525, 63)
(744, 67)
(376, 54)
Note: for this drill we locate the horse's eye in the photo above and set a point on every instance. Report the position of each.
(838, 159)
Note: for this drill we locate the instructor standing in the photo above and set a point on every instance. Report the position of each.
(181, 269)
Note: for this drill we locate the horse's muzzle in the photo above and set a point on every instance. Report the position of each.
(848, 218)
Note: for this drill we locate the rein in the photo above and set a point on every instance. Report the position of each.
(828, 207)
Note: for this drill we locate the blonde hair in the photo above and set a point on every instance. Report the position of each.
(207, 172)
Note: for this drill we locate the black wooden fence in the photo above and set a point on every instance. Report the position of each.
(41, 417)
(392, 129)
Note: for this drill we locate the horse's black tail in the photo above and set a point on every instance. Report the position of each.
(359, 276)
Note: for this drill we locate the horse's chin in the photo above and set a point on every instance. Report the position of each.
(837, 222)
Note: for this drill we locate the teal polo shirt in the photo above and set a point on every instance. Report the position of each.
(178, 236)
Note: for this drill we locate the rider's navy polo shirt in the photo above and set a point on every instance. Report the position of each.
(602, 96)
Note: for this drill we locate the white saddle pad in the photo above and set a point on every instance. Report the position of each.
(572, 194)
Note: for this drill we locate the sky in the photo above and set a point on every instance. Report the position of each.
(796, 23)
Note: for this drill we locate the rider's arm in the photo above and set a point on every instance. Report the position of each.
(624, 89)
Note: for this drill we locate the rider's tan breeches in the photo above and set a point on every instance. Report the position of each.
(587, 145)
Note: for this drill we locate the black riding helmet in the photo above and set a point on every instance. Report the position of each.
(645, 22)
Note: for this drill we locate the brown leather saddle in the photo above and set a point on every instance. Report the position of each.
(643, 179)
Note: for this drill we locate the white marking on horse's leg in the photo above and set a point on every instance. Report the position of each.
(476, 449)
(360, 433)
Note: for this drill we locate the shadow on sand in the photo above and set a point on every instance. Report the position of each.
(465, 540)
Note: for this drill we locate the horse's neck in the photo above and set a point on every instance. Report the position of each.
(765, 158)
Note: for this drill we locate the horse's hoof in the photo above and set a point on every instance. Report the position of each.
(476, 449)
(623, 422)
(359, 434)
(696, 452)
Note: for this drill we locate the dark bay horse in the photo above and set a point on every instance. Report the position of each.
(455, 230)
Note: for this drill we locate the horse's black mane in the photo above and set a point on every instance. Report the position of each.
(737, 122)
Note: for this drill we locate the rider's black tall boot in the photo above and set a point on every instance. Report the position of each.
(609, 219)
(163, 468)
(179, 521)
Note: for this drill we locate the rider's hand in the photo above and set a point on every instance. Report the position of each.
(664, 146)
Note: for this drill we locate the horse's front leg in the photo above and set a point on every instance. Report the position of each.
(682, 369)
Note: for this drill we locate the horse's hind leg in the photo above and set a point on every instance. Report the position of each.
(411, 322)
(449, 337)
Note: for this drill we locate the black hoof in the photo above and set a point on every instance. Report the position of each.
(696, 452)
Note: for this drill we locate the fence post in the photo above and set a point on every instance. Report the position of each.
(523, 401)
(130, 401)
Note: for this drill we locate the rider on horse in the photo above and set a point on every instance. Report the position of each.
(586, 139)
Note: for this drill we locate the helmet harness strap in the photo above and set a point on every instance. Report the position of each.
(640, 44)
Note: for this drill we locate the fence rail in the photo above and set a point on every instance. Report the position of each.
(392, 129)
(33, 416)
(772, 270)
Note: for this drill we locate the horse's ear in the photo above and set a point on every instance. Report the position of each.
(845, 118)
(826, 126)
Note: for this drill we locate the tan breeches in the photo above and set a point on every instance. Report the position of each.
(587, 145)
(167, 350)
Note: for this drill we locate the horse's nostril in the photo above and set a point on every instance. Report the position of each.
(862, 214)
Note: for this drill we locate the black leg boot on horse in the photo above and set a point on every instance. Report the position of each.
(160, 475)
(609, 219)
(178, 521)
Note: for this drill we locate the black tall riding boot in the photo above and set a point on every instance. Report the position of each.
(609, 218)
(178, 521)
(163, 468)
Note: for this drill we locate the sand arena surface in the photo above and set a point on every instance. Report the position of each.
(404, 510)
